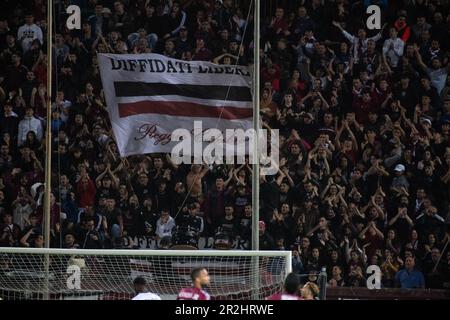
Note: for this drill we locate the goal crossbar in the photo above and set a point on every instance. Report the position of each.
(131, 252)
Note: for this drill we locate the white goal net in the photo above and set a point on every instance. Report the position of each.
(36, 274)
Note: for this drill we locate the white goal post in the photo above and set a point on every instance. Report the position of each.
(31, 273)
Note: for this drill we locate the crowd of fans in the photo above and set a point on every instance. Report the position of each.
(99, 198)
(364, 120)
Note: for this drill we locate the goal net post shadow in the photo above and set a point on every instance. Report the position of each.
(58, 274)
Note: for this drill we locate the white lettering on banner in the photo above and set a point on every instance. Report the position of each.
(144, 242)
(148, 96)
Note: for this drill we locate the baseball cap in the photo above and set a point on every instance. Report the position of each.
(399, 168)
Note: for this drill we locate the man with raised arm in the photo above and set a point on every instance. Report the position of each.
(360, 41)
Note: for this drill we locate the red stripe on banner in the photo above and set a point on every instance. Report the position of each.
(183, 109)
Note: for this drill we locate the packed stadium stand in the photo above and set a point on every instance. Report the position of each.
(364, 120)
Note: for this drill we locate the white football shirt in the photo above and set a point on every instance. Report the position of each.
(147, 296)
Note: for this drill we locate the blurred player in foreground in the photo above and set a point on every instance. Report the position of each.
(140, 287)
(200, 278)
(291, 289)
(310, 291)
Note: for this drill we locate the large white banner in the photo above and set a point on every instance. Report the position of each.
(149, 96)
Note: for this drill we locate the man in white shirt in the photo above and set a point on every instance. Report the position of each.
(29, 123)
(29, 32)
(393, 48)
(140, 287)
(165, 224)
(359, 43)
